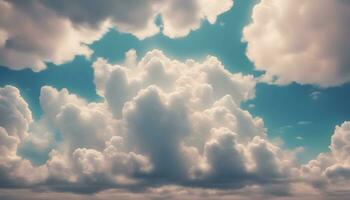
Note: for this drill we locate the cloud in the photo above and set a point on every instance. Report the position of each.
(14, 122)
(163, 127)
(315, 95)
(303, 42)
(181, 16)
(15, 114)
(330, 171)
(171, 192)
(28, 41)
(303, 123)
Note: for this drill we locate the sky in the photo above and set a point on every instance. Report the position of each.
(174, 99)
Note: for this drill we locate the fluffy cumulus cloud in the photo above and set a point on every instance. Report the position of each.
(300, 41)
(14, 122)
(163, 127)
(331, 171)
(27, 40)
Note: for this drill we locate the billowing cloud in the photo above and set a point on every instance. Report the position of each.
(14, 123)
(27, 40)
(163, 127)
(304, 42)
(331, 171)
(15, 114)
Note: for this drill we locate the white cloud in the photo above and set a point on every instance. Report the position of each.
(303, 123)
(170, 192)
(304, 42)
(223, 147)
(8, 144)
(27, 40)
(15, 114)
(315, 95)
(209, 79)
(299, 138)
(330, 171)
(162, 125)
(15, 118)
(181, 16)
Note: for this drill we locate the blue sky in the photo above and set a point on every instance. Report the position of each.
(186, 115)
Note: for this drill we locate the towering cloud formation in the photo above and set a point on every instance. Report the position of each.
(163, 125)
(301, 41)
(34, 32)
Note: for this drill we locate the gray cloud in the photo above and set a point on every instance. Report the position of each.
(33, 33)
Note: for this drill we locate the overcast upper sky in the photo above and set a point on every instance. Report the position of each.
(174, 99)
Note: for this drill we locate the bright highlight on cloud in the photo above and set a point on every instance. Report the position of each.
(162, 125)
(35, 32)
(300, 41)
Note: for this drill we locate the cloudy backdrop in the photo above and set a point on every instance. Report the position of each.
(161, 127)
